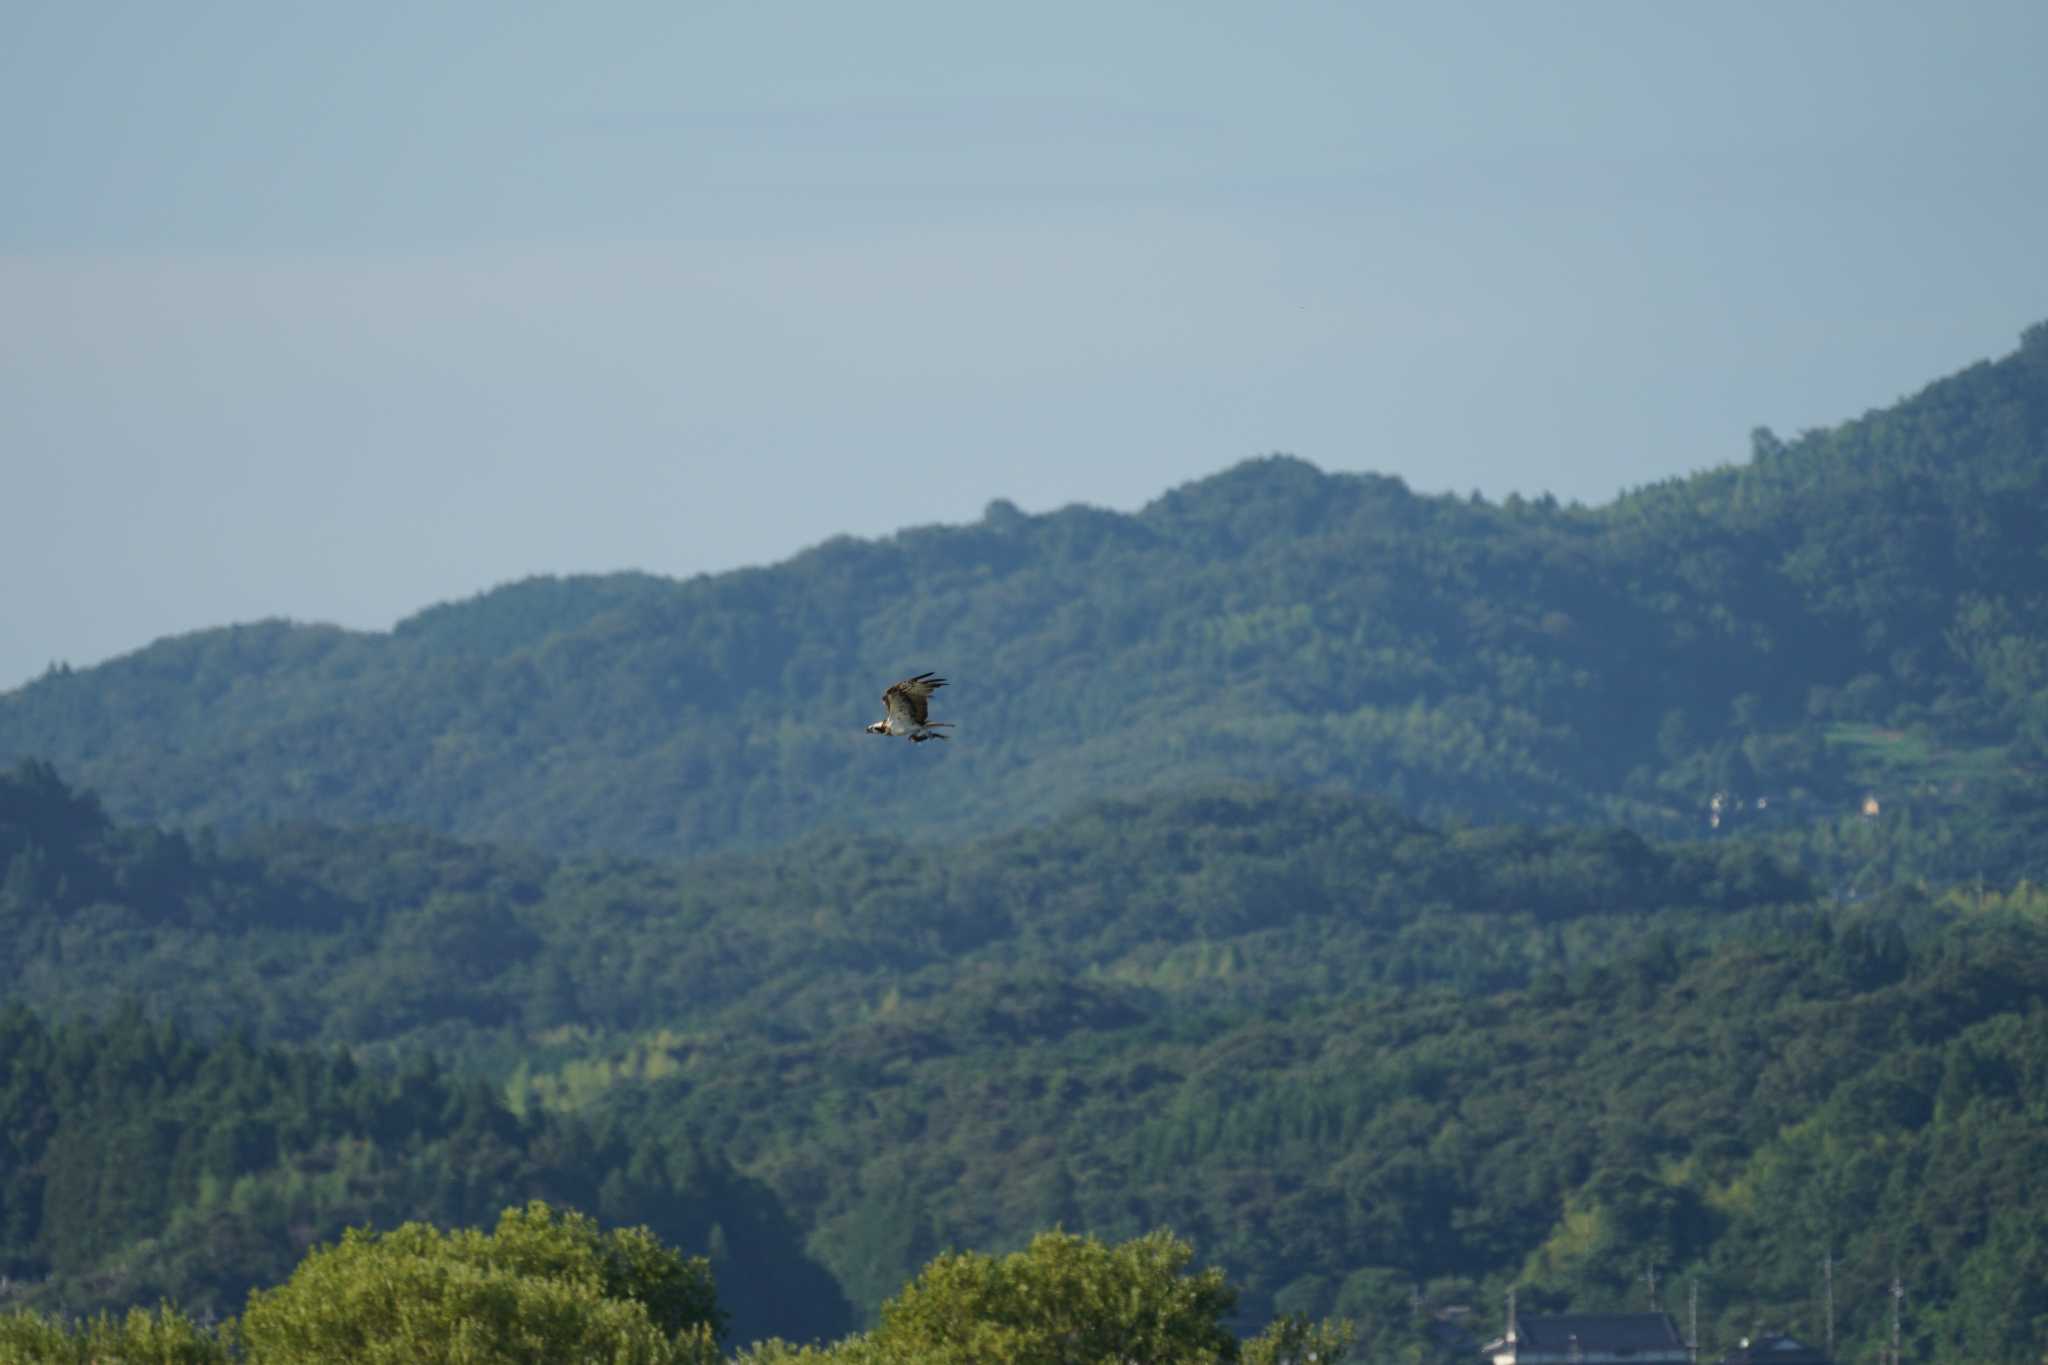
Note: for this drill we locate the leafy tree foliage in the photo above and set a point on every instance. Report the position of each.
(1067, 1298)
(1063, 1298)
(165, 1336)
(538, 1290)
(543, 1289)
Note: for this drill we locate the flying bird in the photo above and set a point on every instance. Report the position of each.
(904, 710)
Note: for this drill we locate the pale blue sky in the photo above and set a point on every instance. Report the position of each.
(332, 312)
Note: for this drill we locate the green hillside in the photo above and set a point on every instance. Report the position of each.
(138, 1162)
(1744, 633)
(402, 941)
(1354, 1057)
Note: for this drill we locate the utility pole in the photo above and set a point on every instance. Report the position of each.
(1898, 1298)
(1827, 1279)
(1692, 1329)
(1650, 1274)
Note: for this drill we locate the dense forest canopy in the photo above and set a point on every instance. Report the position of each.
(1857, 610)
(139, 1162)
(1400, 899)
(1360, 1060)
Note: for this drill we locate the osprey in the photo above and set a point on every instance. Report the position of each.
(904, 709)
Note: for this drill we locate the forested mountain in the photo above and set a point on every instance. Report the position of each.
(1349, 1054)
(1856, 612)
(1402, 898)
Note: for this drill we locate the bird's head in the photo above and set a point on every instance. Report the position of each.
(880, 727)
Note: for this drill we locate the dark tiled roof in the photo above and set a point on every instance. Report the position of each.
(1601, 1332)
(1775, 1350)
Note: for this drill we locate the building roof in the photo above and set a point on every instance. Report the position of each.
(1772, 1349)
(1599, 1332)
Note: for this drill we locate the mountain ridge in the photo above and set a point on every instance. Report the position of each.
(1694, 638)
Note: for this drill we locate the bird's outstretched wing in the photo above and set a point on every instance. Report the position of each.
(908, 702)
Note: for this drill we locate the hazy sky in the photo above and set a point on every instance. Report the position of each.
(336, 311)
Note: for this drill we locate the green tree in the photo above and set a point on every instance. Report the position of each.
(1064, 1298)
(1292, 1340)
(1067, 1300)
(539, 1289)
(163, 1337)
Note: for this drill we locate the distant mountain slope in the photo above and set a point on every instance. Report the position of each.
(1349, 1054)
(1861, 607)
(395, 940)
